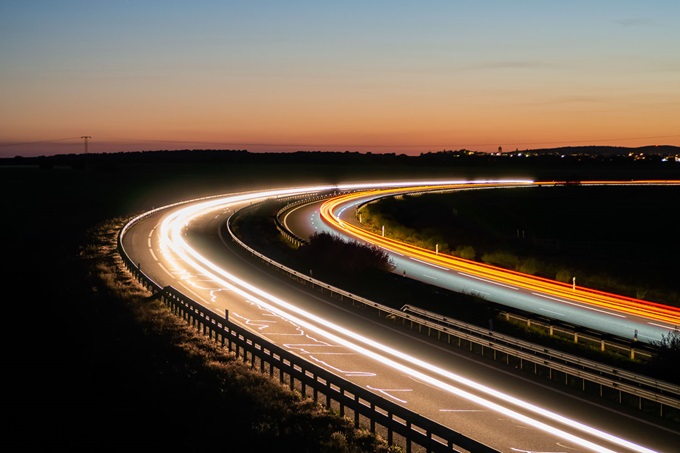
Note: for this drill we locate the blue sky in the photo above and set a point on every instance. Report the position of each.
(381, 76)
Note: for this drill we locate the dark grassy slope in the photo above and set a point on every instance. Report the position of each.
(79, 369)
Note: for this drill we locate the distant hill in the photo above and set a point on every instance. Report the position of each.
(240, 156)
(572, 163)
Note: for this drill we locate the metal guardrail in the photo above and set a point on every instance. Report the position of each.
(643, 387)
(205, 319)
(252, 349)
(623, 380)
(290, 237)
(606, 341)
(397, 420)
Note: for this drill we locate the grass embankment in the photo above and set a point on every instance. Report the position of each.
(226, 396)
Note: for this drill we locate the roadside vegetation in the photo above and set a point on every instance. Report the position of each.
(324, 256)
(616, 239)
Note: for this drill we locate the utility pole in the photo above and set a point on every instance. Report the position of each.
(85, 138)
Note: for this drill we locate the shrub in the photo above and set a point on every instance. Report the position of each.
(330, 252)
(466, 252)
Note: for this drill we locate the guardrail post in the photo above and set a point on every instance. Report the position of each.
(356, 411)
(342, 405)
(408, 439)
(390, 441)
(328, 393)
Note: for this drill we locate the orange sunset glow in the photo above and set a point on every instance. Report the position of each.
(410, 78)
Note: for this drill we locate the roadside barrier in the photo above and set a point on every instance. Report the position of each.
(614, 384)
(402, 426)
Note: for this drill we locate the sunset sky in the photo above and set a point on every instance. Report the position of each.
(379, 76)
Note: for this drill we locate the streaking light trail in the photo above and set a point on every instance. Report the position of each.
(173, 243)
(331, 211)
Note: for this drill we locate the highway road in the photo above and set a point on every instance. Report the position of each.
(563, 304)
(181, 245)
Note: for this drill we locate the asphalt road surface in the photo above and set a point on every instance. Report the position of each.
(181, 246)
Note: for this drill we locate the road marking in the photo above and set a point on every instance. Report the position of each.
(386, 392)
(186, 284)
(577, 305)
(303, 348)
(554, 312)
(461, 410)
(488, 281)
(260, 325)
(429, 276)
(429, 264)
(338, 370)
(661, 325)
(165, 269)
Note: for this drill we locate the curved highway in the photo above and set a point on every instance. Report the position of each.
(608, 313)
(181, 245)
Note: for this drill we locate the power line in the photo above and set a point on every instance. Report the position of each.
(41, 141)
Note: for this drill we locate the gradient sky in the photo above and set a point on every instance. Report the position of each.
(380, 76)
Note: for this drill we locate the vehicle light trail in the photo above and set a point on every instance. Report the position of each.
(173, 244)
(617, 303)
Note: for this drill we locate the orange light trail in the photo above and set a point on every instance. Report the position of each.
(617, 303)
(177, 249)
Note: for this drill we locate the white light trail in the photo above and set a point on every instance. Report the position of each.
(172, 239)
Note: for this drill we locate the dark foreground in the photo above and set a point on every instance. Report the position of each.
(81, 370)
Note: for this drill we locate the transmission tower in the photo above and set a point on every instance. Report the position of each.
(85, 138)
